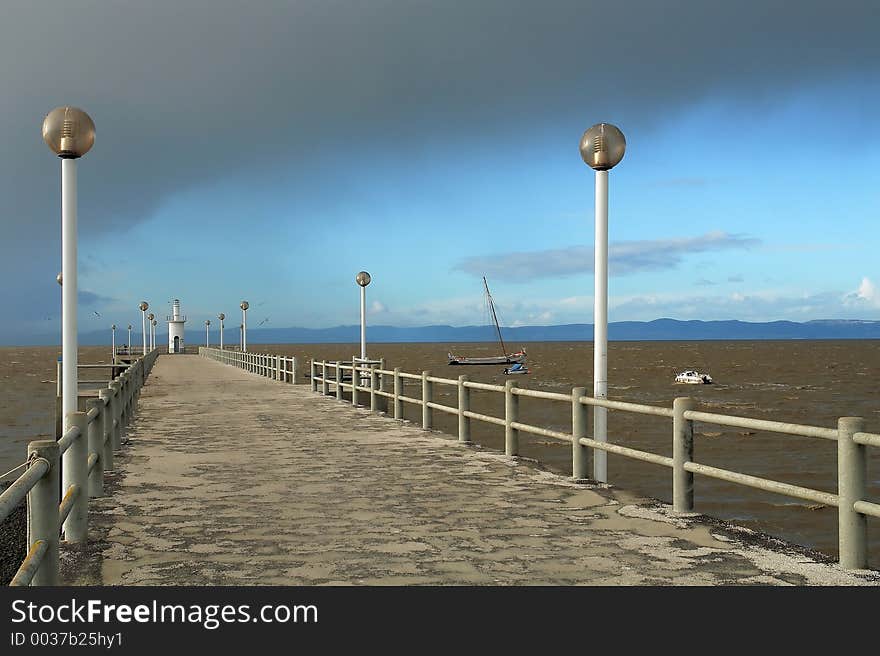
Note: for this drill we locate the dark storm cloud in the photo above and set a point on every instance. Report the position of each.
(186, 92)
(624, 258)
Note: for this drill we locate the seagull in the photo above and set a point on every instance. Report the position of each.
(262, 322)
(96, 312)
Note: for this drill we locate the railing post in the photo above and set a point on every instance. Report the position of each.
(579, 422)
(106, 396)
(374, 387)
(59, 420)
(427, 397)
(116, 404)
(355, 379)
(338, 380)
(42, 511)
(312, 371)
(464, 405)
(294, 370)
(96, 445)
(852, 471)
(383, 400)
(511, 414)
(124, 410)
(682, 452)
(74, 471)
(325, 386)
(398, 391)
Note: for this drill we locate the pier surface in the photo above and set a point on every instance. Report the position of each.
(232, 479)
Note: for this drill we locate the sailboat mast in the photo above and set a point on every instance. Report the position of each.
(494, 316)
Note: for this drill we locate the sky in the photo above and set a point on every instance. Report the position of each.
(270, 150)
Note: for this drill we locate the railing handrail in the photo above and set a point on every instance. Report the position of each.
(852, 488)
(101, 424)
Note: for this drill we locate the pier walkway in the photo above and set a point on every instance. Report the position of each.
(232, 479)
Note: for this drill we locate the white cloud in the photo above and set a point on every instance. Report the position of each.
(867, 295)
(377, 307)
(868, 291)
(623, 257)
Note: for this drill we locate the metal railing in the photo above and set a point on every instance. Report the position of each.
(852, 440)
(88, 443)
(277, 367)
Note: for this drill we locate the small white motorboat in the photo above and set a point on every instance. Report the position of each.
(518, 368)
(692, 377)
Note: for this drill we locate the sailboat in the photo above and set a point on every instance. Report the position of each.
(507, 358)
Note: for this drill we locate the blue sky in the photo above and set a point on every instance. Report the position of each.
(274, 155)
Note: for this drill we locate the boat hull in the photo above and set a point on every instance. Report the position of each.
(513, 358)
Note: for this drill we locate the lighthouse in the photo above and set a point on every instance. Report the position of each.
(175, 328)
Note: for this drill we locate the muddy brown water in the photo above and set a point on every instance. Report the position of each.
(806, 382)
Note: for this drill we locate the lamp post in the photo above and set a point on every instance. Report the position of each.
(207, 323)
(363, 279)
(244, 306)
(155, 323)
(221, 316)
(113, 331)
(602, 147)
(70, 133)
(150, 318)
(143, 307)
(129, 340)
(240, 335)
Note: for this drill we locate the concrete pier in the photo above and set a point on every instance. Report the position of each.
(233, 479)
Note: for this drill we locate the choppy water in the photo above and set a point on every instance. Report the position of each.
(807, 382)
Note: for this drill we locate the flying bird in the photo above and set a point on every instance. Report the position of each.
(262, 322)
(96, 313)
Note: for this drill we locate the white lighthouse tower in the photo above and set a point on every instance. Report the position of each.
(175, 328)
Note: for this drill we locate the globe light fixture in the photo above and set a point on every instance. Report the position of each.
(143, 308)
(244, 307)
(363, 279)
(602, 147)
(70, 133)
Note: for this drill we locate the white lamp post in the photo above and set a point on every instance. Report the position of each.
(221, 316)
(244, 306)
(240, 335)
(153, 334)
(602, 147)
(70, 133)
(143, 308)
(113, 332)
(363, 279)
(207, 323)
(150, 318)
(129, 340)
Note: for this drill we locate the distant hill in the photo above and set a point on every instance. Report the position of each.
(659, 329)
